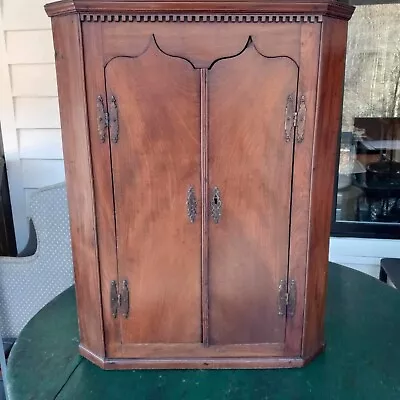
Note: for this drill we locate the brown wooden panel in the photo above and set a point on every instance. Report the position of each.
(201, 43)
(251, 163)
(329, 102)
(198, 350)
(102, 179)
(308, 76)
(78, 171)
(155, 161)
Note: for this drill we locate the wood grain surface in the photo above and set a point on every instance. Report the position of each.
(327, 124)
(155, 161)
(251, 164)
(78, 172)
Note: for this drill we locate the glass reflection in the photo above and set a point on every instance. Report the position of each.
(369, 164)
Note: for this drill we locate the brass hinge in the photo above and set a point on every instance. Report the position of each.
(290, 111)
(112, 119)
(102, 119)
(119, 300)
(287, 298)
(301, 120)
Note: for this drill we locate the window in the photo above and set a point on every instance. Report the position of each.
(368, 179)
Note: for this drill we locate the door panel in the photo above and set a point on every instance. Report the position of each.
(155, 161)
(251, 164)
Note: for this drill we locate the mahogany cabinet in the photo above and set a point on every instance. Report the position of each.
(199, 142)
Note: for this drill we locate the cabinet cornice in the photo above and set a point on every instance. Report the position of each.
(198, 11)
(249, 18)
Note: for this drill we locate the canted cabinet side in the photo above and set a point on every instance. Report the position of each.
(327, 125)
(102, 178)
(302, 170)
(78, 171)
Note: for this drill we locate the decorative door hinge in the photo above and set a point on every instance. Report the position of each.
(301, 120)
(124, 303)
(295, 119)
(290, 115)
(113, 120)
(102, 119)
(292, 298)
(114, 299)
(287, 298)
(119, 301)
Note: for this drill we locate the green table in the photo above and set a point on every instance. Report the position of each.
(361, 361)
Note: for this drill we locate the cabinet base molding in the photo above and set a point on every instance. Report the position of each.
(197, 363)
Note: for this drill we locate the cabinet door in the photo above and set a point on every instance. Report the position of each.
(250, 172)
(156, 177)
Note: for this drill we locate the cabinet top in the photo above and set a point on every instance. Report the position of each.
(332, 8)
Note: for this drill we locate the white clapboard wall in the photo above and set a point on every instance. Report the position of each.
(29, 114)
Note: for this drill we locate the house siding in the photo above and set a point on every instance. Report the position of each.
(29, 113)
